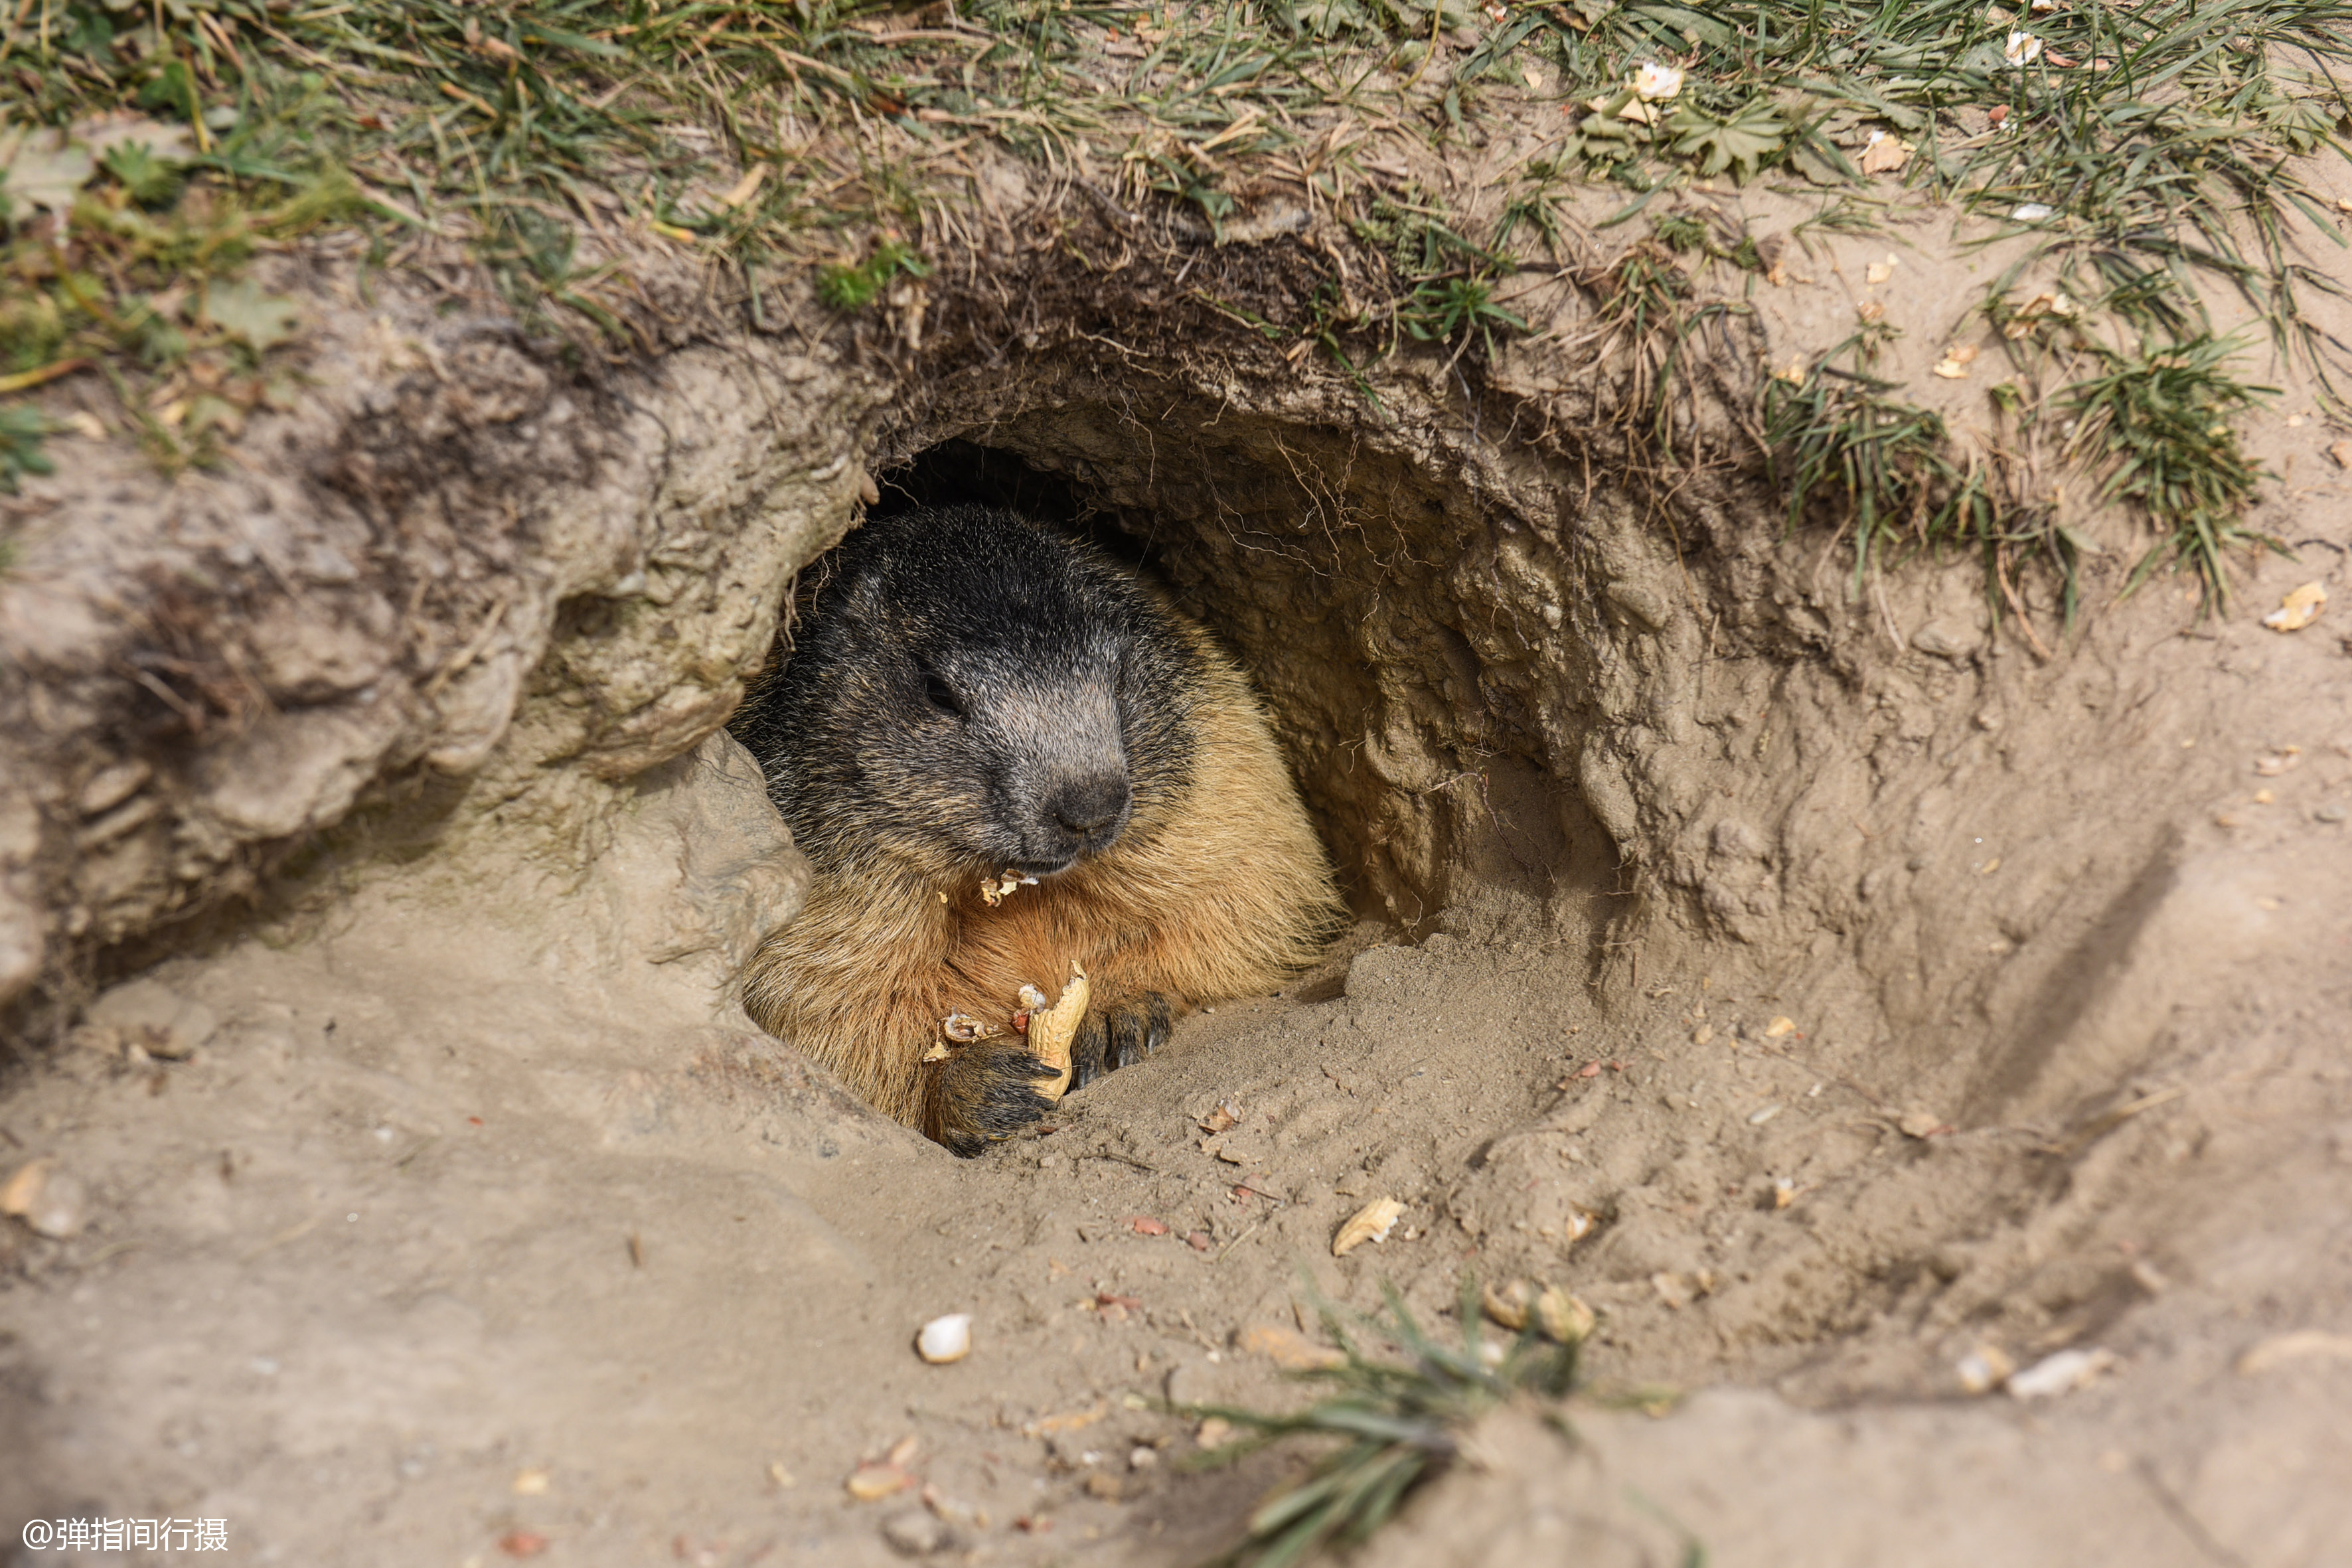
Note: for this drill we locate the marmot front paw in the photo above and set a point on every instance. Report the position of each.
(985, 1092)
(1120, 1038)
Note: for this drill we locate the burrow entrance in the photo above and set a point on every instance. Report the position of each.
(1415, 644)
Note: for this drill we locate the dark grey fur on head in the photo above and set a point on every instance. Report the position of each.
(971, 691)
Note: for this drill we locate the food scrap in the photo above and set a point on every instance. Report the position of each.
(2061, 1373)
(1288, 1349)
(873, 1482)
(1550, 1311)
(2050, 303)
(1653, 80)
(960, 1030)
(1984, 1369)
(1371, 1223)
(1920, 1124)
(1954, 365)
(1883, 154)
(1226, 1114)
(2298, 609)
(945, 1340)
(1053, 1029)
(995, 891)
(964, 1028)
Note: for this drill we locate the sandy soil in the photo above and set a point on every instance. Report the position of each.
(469, 1230)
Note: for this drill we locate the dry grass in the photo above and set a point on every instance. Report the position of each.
(830, 144)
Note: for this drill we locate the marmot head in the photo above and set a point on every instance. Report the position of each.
(977, 694)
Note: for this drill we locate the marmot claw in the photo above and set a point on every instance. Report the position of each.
(987, 1093)
(1120, 1038)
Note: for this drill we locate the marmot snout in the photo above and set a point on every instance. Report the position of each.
(970, 697)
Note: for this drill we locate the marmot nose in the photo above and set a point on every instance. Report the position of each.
(1090, 809)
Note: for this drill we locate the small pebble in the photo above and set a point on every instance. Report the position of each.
(110, 788)
(916, 1533)
(159, 1019)
(62, 1209)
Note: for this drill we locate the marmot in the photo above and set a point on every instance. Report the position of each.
(1003, 754)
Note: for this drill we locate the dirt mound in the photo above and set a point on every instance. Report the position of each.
(1833, 990)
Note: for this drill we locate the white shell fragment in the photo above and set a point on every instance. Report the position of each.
(2059, 1374)
(1653, 81)
(1371, 1223)
(943, 1340)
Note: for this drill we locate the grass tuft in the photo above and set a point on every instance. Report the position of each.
(847, 287)
(22, 431)
(1395, 1426)
(1840, 435)
(2158, 427)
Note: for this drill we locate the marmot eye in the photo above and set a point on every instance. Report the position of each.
(941, 695)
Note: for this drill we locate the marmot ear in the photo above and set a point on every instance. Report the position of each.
(865, 603)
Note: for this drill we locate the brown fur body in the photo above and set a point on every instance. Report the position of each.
(1214, 886)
